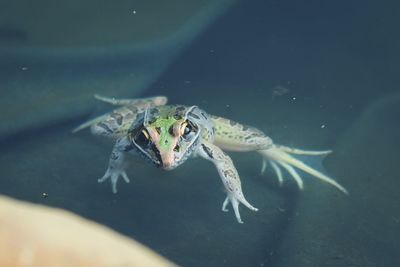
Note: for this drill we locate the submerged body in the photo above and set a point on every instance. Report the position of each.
(168, 135)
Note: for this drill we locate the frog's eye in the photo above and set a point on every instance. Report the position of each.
(142, 137)
(186, 128)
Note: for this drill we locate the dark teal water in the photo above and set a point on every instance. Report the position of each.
(313, 75)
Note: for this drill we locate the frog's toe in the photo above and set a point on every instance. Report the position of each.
(235, 204)
(278, 172)
(125, 177)
(114, 176)
(297, 178)
(263, 166)
(105, 176)
(226, 202)
(281, 156)
(276, 166)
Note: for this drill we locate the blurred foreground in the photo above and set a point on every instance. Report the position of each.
(34, 235)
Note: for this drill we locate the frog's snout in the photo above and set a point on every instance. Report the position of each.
(167, 160)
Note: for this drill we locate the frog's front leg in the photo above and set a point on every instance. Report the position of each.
(229, 176)
(116, 165)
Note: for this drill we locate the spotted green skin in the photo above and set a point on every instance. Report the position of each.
(168, 135)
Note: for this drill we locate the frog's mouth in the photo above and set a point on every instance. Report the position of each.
(155, 156)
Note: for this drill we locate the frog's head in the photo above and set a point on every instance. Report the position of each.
(166, 135)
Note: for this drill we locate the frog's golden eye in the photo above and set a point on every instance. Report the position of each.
(186, 128)
(142, 137)
(145, 133)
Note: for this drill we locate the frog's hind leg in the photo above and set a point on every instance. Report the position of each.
(113, 124)
(232, 136)
(281, 156)
(150, 101)
(90, 123)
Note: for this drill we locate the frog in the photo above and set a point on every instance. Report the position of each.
(168, 135)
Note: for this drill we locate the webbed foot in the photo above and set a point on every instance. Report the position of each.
(235, 204)
(114, 175)
(280, 156)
